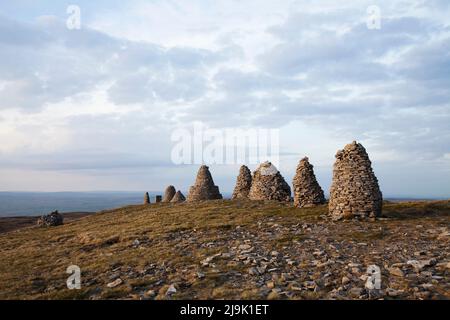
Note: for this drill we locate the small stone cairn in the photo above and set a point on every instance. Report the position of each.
(307, 191)
(169, 194)
(269, 184)
(51, 220)
(178, 197)
(146, 198)
(204, 188)
(243, 184)
(354, 191)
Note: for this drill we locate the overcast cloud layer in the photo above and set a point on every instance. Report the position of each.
(94, 109)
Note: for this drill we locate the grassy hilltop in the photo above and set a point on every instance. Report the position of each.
(232, 249)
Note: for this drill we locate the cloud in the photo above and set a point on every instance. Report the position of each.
(59, 63)
(108, 96)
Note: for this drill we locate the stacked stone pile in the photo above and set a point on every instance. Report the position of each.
(354, 191)
(179, 197)
(51, 220)
(307, 191)
(204, 188)
(146, 198)
(243, 184)
(269, 184)
(169, 194)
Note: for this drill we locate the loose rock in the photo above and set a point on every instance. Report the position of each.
(396, 272)
(115, 283)
(171, 290)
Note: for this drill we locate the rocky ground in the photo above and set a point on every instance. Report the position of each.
(232, 250)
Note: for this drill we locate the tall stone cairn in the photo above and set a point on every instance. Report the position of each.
(169, 194)
(204, 188)
(268, 184)
(243, 184)
(354, 191)
(178, 197)
(307, 191)
(146, 198)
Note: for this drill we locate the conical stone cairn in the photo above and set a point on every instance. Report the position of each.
(169, 194)
(146, 198)
(243, 184)
(178, 197)
(204, 188)
(307, 191)
(354, 191)
(269, 184)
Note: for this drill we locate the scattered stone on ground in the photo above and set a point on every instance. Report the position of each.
(171, 290)
(204, 188)
(306, 189)
(169, 194)
(243, 183)
(51, 220)
(277, 253)
(115, 283)
(354, 191)
(269, 184)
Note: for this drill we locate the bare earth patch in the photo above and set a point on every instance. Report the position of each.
(233, 250)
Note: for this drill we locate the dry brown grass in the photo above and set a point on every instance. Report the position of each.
(33, 261)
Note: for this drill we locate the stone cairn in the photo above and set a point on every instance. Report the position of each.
(178, 197)
(269, 184)
(146, 198)
(204, 188)
(169, 194)
(307, 191)
(243, 184)
(51, 220)
(354, 191)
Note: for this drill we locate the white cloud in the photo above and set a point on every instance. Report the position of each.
(106, 98)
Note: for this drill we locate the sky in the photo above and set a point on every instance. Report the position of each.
(95, 108)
